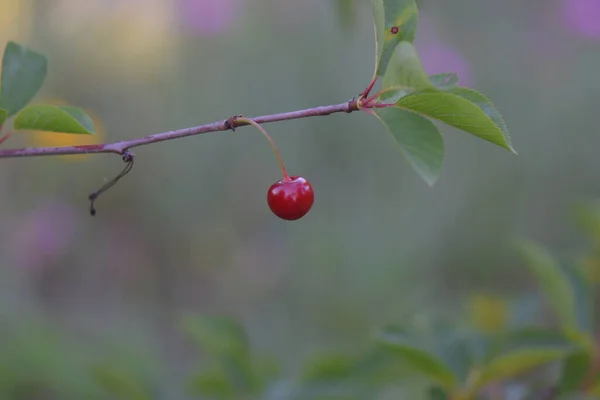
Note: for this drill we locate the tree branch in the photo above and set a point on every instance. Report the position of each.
(122, 146)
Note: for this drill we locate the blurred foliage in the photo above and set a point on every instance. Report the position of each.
(455, 361)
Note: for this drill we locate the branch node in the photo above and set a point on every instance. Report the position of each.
(231, 123)
(128, 158)
(352, 105)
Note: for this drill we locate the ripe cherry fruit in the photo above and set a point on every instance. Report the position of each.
(291, 198)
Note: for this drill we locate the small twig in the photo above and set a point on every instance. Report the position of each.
(121, 147)
(128, 158)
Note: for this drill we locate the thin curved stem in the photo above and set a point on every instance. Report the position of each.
(249, 121)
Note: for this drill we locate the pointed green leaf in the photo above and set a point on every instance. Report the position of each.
(63, 119)
(510, 365)
(23, 73)
(456, 111)
(522, 352)
(444, 81)
(486, 106)
(395, 21)
(405, 347)
(553, 280)
(3, 116)
(405, 70)
(419, 140)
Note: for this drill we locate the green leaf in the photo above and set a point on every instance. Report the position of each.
(405, 70)
(407, 348)
(217, 335)
(510, 365)
(553, 280)
(486, 106)
(575, 369)
(119, 384)
(419, 140)
(458, 112)
(23, 73)
(522, 352)
(3, 116)
(395, 21)
(444, 81)
(62, 119)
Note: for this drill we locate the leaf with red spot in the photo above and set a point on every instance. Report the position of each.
(395, 22)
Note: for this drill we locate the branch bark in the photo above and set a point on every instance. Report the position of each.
(123, 146)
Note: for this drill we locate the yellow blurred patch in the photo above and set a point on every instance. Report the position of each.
(136, 37)
(591, 268)
(488, 313)
(595, 390)
(53, 139)
(15, 20)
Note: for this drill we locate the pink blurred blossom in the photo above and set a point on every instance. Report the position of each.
(43, 235)
(209, 17)
(439, 56)
(582, 17)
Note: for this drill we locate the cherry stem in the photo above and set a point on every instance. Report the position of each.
(286, 176)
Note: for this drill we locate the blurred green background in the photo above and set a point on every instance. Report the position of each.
(189, 230)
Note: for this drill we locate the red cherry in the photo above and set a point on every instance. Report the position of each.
(291, 199)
